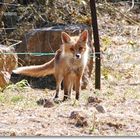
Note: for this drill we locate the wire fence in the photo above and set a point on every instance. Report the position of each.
(119, 29)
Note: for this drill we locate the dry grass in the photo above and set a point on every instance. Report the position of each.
(119, 95)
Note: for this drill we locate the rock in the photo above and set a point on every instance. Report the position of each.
(116, 125)
(46, 40)
(13, 134)
(45, 102)
(80, 118)
(100, 108)
(8, 62)
(48, 104)
(40, 102)
(49, 40)
(93, 100)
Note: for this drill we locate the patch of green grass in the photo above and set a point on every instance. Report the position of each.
(22, 83)
(105, 72)
(18, 86)
(105, 42)
(2, 98)
(75, 102)
(17, 98)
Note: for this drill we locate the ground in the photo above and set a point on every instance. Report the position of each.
(114, 110)
(22, 116)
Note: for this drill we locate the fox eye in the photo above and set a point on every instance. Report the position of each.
(81, 48)
(72, 49)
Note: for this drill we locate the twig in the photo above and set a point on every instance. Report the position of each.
(133, 3)
(129, 18)
(38, 13)
(15, 44)
(5, 37)
(7, 28)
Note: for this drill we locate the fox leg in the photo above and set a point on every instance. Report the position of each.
(77, 85)
(70, 89)
(58, 85)
(67, 87)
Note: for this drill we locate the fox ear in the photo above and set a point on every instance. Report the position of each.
(65, 37)
(84, 36)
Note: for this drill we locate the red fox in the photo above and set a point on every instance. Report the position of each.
(68, 64)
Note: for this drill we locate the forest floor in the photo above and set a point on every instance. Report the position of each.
(112, 111)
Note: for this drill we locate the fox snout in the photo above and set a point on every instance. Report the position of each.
(78, 56)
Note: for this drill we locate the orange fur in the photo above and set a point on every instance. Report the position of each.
(67, 65)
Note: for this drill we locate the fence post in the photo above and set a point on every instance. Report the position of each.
(96, 45)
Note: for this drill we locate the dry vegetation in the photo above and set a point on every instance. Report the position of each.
(113, 111)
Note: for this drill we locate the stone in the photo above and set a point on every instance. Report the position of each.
(8, 62)
(100, 109)
(94, 100)
(80, 118)
(45, 102)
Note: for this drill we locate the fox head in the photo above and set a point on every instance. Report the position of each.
(76, 46)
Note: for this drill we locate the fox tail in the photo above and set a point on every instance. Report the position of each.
(37, 71)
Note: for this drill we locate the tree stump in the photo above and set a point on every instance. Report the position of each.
(8, 62)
